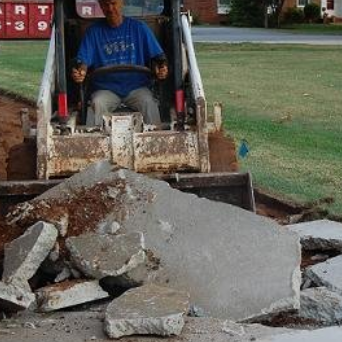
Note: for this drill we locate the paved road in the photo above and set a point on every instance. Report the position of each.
(240, 35)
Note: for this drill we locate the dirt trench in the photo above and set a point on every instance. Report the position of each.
(17, 153)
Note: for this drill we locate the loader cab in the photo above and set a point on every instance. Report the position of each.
(154, 14)
(70, 26)
(66, 145)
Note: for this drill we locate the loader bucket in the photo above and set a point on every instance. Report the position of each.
(228, 187)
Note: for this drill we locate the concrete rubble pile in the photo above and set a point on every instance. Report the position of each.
(321, 295)
(145, 257)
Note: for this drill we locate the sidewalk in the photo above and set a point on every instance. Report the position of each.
(257, 35)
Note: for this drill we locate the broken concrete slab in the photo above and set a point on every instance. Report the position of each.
(147, 310)
(331, 334)
(235, 264)
(98, 172)
(320, 234)
(68, 294)
(24, 255)
(88, 326)
(13, 299)
(99, 256)
(327, 274)
(321, 305)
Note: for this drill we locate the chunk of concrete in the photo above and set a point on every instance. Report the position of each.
(327, 274)
(99, 256)
(321, 305)
(68, 294)
(108, 227)
(63, 275)
(147, 310)
(320, 234)
(13, 299)
(234, 263)
(24, 255)
(331, 334)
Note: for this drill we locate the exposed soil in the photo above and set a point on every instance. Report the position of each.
(7, 234)
(222, 153)
(310, 258)
(12, 144)
(292, 321)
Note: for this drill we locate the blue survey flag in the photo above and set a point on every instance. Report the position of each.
(243, 149)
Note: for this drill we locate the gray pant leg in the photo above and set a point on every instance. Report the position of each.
(103, 102)
(143, 101)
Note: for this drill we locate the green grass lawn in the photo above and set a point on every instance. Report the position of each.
(323, 29)
(21, 66)
(286, 102)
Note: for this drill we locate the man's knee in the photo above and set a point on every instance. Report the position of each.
(144, 101)
(104, 101)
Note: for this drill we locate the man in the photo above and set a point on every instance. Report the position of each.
(114, 41)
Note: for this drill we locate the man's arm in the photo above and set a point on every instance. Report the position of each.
(155, 53)
(85, 55)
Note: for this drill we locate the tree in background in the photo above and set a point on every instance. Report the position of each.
(312, 12)
(256, 13)
(276, 8)
(246, 13)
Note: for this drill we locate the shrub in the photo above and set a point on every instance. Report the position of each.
(195, 19)
(312, 12)
(293, 15)
(247, 13)
(273, 20)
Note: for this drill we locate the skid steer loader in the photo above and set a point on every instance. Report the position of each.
(186, 154)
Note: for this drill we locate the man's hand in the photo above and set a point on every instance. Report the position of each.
(79, 74)
(161, 71)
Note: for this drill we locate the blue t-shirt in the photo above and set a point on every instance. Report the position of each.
(130, 43)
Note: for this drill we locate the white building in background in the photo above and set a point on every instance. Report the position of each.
(333, 8)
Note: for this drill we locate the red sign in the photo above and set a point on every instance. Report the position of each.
(25, 19)
(88, 9)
